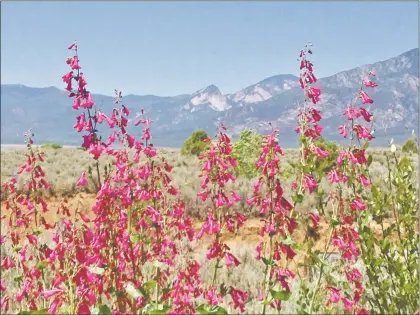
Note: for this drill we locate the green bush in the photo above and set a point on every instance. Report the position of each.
(51, 146)
(410, 146)
(246, 151)
(195, 145)
(324, 165)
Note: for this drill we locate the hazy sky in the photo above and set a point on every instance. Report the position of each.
(170, 48)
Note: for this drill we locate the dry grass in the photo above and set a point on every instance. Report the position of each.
(64, 166)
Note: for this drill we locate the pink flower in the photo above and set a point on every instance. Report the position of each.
(88, 102)
(257, 185)
(87, 141)
(358, 204)
(319, 152)
(239, 298)
(310, 183)
(362, 179)
(80, 123)
(235, 197)
(7, 263)
(203, 195)
(340, 157)
(334, 296)
(315, 218)
(343, 130)
(351, 113)
(207, 166)
(348, 304)
(54, 305)
(333, 176)
(212, 297)
(353, 275)
(365, 97)
(96, 150)
(316, 114)
(125, 111)
(82, 82)
(366, 115)
(369, 83)
(220, 201)
(67, 78)
(74, 63)
(230, 260)
(258, 250)
(82, 180)
(210, 226)
(4, 303)
(286, 249)
(20, 295)
(3, 285)
(76, 102)
(363, 132)
(111, 139)
(50, 293)
(314, 94)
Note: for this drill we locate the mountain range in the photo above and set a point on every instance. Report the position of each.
(270, 102)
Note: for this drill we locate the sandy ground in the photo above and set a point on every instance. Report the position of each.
(247, 237)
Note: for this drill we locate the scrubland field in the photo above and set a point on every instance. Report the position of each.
(64, 166)
(220, 227)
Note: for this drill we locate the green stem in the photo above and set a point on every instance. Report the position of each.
(267, 272)
(321, 270)
(98, 175)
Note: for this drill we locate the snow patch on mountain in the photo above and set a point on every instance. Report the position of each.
(264, 90)
(210, 95)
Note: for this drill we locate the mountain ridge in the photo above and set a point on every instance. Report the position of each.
(272, 99)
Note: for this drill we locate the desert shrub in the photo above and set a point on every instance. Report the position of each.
(410, 146)
(391, 259)
(325, 165)
(246, 151)
(51, 146)
(195, 145)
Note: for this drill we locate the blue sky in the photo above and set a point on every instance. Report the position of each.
(170, 48)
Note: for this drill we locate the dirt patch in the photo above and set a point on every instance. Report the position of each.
(247, 237)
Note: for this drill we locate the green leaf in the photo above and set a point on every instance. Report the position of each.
(36, 312)
(370, 159)
(206, 309)
(288, 241)
(18, 279)
(101, 309)
(335, 222)
(268, 262)
(135, 238)
(149, 285)
(42, 264)
(297, 199)
(266, 302)
(280, 295)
